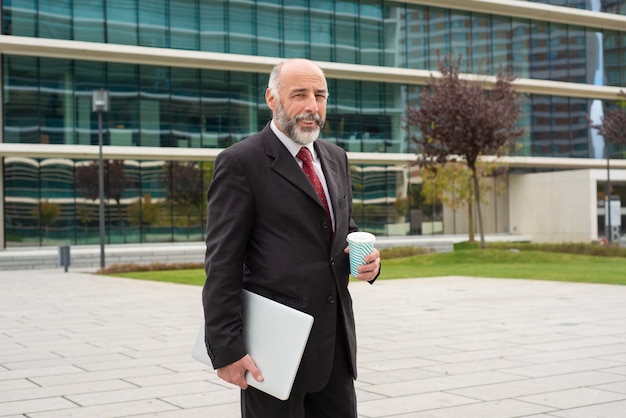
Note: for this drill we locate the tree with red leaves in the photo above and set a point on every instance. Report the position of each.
(461, 121)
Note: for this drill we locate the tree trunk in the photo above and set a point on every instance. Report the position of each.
(470, 217)
(478, 209)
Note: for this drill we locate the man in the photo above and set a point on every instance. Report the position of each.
(269, 231)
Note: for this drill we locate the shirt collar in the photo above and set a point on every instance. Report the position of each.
(291, 146)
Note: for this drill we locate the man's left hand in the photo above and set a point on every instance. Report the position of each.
(369, 271)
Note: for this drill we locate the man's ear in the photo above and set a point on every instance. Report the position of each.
(270, 100)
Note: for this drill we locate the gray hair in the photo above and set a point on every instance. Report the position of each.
(274, 82)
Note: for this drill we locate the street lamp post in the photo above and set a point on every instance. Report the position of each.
(100, 104)
(607, 196)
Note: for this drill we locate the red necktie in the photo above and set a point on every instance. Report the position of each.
(307, 165)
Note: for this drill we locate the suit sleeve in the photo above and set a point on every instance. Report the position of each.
(229, 219)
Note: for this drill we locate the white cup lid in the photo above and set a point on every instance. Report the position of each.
(361, 237)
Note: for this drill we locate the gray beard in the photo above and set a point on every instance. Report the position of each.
(301, 136)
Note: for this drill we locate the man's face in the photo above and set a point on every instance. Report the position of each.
(300, 109)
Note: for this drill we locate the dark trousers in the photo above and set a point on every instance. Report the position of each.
(336, 400)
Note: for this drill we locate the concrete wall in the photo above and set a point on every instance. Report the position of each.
(555, 206)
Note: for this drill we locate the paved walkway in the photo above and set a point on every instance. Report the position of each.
(80, 345)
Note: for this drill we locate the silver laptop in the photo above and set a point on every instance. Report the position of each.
(275, 336)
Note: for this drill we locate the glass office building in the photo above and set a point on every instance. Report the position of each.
(186, 78)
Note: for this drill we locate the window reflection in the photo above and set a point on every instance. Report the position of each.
(370, 32)
(56, 201)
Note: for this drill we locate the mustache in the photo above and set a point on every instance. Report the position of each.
(309, 117)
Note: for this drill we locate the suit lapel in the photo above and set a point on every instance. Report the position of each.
(331, 173)
(285, 165)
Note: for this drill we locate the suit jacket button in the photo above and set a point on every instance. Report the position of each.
(331, 299)
(325, 224)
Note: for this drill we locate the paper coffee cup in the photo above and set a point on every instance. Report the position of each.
(361, 244)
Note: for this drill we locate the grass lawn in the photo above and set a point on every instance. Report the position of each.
(496, 263)
(534, 265)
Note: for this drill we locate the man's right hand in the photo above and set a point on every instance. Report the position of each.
(235, 373)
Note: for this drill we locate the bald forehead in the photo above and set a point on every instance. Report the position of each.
(301, 66)
(300, 72)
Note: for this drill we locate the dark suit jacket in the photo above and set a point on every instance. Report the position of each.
(267, 231)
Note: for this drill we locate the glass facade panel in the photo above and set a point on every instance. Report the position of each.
(321, 22)
(460, 39)
(379, 199)
(215, 109)
(122, 118)
(186, 108)
(296, 30)
(540, 50)
(57, 102)
(371, 33)
(21, 202)
(269, 24)
(21, 100)
(346, 30)
(184, 24)
(577, 68)
(88, 77)
(502, 37)
(579, 129)
(541, 135)
(121, 22)
(417, 44)
(522, 46)
(88, 21)
(155, 107)
(243, 102)
(395, 39)
(54, 19)
(20, 19)
(153, 23)
(242, 28)
(559, 52)
(439, 35)
(213, 25)
(481, 43)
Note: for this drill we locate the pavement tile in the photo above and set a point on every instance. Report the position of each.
(507, 408)
(67, 390)
(524, 387)
(618, 387)
(205, 399)
(403, 404)
(563, 367)
(112, 410)
(221, 411)
(31, 406)
(473, 366)
(573, 398)
(605, 410)
(441, 383)
(150, 392)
